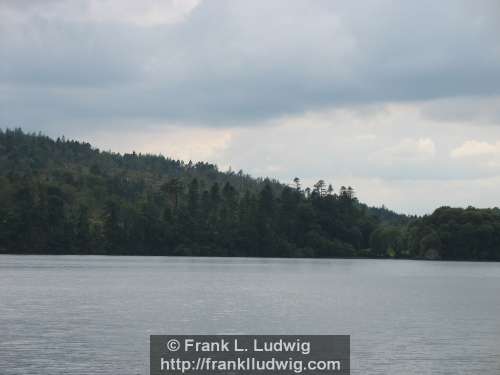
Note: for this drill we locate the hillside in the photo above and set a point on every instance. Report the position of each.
(62, 196)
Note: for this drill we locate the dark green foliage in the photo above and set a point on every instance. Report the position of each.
(456, 233)
(66, 197)
(387, 240)
(449, 233)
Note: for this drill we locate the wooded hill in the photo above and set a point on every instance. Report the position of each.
(66, 197)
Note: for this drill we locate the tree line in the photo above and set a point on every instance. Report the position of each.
(66, 197)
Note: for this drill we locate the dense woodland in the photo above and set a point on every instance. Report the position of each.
(65, 197)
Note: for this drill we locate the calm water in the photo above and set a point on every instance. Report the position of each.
(94, 315)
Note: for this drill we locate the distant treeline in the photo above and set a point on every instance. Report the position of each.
(65, 197)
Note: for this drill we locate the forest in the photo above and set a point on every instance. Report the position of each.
(62, 196)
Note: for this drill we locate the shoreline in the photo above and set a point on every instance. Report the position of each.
(251, 257)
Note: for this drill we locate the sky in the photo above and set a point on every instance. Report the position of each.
(399, 99)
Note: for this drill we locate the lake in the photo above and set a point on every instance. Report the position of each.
(94, 314)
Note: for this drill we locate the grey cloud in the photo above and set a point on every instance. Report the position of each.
(479, 110)
(234, 62)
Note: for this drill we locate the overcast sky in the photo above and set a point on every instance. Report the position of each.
(400, 99)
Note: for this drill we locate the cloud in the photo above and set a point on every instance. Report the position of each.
(408, 150)
(334, 144)
(237, 62)
(476, 148)
(143, 13)
(197, 144)
(483, 110)
(424, 196)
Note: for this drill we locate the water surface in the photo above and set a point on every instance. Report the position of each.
(94, 315)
